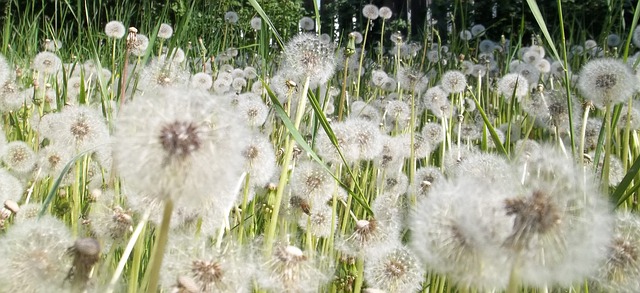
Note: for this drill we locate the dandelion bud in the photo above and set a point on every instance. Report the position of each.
(132, 37)
(11, 206)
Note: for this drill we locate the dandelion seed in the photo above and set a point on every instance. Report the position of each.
(554, 216)
(394, 269)
(318, 221)
(529, 72)
(613, 40)
(385, 12)
(260, 160)
(310, 181)
(425, 178)
(487, 46)
(397, 115)
(478, 30)
(10, 187)
(139, 47)
(364, 111)
(436, 100)
(115, 29)
(201, 81)
(357, 37)
(388, 84)
(34, 251)
(165, 31)
(250, 73)
(197, 266)
(290, 270)
(306, 56)
(432, 133)
(306, 23)
(606, 82)
(238, 84)
(393, 183)
(513, 85)
(412, 80)
(177, 143)
(253, 111)
(455, 231)
(391, 156)
(110, 222)
(82, 128)
(19, 157)
(47, 63)
(465, 35)
(622, 266)
(370, 11)
(256, 23)
(231, 17)
(453, 82)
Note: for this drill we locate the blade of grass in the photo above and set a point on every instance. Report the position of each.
(266, 18)
(304, 145)
(619, 196)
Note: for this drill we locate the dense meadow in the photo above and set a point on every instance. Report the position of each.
(132, 162)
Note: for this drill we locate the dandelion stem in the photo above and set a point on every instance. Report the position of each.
(161, 242)
(514, 277)
(364, 42)
(607, 150)
(583, 130)
(288, 155)
(357, 288)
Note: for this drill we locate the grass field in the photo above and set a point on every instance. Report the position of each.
(247, 157)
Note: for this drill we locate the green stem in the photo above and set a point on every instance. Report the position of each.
(161, 242)
(364, 42)
(288, 155)
(607, 150)
(357, 288)
(514, 277)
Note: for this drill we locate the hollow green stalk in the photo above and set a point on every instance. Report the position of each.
(161, 242)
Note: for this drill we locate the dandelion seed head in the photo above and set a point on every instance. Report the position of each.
(34, 254)
(256, 23)
(139, 47)
(396, 270)
(47, 62)
(478, 30)
(231, 17)
(115, 29)
(453, 82)
(606, 81)
(513, 84)
(613, 40)
(19, 157)
(165, 31)
(465, 35)
(370, 11)
(305, 55)
(307, 23)
(202, 81)
(385, 12)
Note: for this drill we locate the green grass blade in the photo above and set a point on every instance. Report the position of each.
(619, 195)
(304, 145)
(56, 184)
(533, 6)
(266, 19)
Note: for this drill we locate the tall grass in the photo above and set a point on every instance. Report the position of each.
(263, 224)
